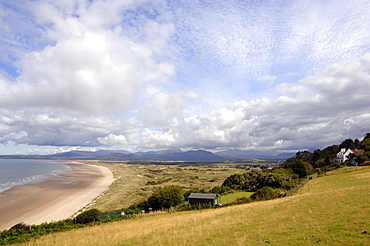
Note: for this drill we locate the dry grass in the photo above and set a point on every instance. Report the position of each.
(332, 210)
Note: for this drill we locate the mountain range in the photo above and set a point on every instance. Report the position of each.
(171, 155)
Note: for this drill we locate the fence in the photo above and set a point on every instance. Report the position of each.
(291, 191)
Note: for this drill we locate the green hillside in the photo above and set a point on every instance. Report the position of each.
(330, 210)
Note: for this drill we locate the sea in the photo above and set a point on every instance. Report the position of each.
(15, 172)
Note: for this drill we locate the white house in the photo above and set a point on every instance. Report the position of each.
(343, 155)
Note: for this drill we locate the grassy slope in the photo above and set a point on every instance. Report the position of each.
(332, 210)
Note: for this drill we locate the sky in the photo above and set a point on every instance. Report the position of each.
(142, 75)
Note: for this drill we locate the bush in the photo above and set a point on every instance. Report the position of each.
(221, 190)
(88, 216)
(254, 180)
(299, 167)
(266, 193)
(366, 163)
(241, 200)
(167, 197)
(21, 226)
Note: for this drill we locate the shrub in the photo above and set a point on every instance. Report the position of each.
(266, 193)
(241, 200)
(366, 163)
(298, 167)
(167, 197)
(88, 216)
(21, 226)
(221, 190)
(254, 180)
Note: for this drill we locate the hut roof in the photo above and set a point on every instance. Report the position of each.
(202, 196)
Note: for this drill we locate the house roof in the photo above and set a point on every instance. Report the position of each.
(202, 196)
(358, 151)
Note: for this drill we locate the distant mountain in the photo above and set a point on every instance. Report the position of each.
(121, 157)
(259, 154)
(178, 155)
(160, 152)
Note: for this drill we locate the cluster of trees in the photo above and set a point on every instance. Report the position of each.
(163, 198)
(255, 180)
(265, 186)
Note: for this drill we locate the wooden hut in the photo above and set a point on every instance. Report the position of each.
(203, 198)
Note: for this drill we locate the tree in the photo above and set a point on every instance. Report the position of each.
(167, 197)
(88, 216)
(347, 144)
(298, 167)
(234, 181)
(266, 193)
(254, 180)
(365, 144)
(221, 190)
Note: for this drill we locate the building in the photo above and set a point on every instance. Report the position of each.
(343, 154)
(358, 151)
(203, 198)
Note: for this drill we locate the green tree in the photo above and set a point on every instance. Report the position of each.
(347, 144)
(88, 216)
(234, 181)
(298, 167)
(167, 197)
(266, 193)
(221, 190)
(361, 158)
(254, 180)
(365, 144)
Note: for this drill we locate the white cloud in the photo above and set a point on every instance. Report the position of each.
(162, 108)
(87, 69)
(158, 139)
(113, 140)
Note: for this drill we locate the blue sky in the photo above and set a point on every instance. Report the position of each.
(214, 75)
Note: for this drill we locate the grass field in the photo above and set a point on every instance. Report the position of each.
(330, 210)
(229, 198)
(134, 182)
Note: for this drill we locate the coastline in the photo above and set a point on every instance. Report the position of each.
(56, 198)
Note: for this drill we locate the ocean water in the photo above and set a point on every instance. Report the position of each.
(14, 172)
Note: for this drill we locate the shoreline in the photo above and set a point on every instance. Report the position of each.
(55, 198)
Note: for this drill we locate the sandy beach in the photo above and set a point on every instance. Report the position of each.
(53, 199)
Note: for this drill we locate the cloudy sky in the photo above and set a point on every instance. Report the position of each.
(144, 75)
